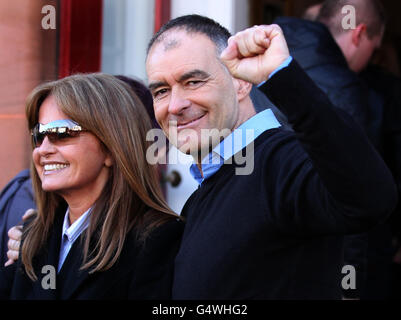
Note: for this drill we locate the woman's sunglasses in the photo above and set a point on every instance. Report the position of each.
(55, 131)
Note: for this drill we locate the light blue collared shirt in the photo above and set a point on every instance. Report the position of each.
(71, 233)
(242, 136)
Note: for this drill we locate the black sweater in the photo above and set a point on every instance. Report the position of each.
(276, 233)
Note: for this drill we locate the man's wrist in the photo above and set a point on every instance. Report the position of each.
(283, 65)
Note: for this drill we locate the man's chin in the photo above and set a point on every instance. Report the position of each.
(189, 150)
(186, 149)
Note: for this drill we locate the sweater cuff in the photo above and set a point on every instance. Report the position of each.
(291, 90)
(281, 66)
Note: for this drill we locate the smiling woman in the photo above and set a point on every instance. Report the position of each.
(72, 163)
(98, 198)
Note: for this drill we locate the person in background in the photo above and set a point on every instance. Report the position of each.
(15, 199)
(334, 57)
(312, 12)
(101, 222)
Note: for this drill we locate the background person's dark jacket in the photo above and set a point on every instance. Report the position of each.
(384, 240)
(316, 51)
(15, 199)
(314, 48)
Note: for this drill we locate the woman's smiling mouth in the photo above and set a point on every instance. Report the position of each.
(54, 167)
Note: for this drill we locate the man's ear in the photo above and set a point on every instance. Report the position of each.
(243, 88)
(358, 33)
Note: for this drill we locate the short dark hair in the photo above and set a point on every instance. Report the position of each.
(370, 12)
(194, 23)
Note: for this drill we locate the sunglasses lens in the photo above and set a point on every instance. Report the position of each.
(52, 136)
(58, 130)
(56, 136)
(39, 138)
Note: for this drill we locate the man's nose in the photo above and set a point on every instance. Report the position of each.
(178, 102)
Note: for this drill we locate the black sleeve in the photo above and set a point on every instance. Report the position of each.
(356, 255)
(153, 276)
(6, 280)
(392, 144)
(343, 186)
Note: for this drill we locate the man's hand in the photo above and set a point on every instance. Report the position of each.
(13, 244)
(14, 241)
(253, 54)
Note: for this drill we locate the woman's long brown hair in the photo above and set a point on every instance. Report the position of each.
(132, 197)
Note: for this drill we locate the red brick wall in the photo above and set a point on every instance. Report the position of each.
(28, 56)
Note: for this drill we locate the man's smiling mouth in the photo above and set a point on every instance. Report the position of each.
(183, 125)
